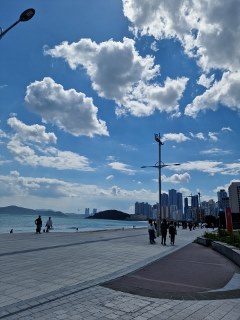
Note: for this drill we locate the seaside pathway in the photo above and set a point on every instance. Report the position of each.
(59, 276)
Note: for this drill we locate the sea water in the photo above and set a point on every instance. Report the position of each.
(25, 223)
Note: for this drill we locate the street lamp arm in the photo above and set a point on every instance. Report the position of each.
(9, 28)
(149, 167)
(25, 16)
(162, 165)
(170, 164)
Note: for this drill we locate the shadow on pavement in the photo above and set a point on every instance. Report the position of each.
(194, 272)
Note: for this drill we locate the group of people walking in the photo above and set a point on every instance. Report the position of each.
(165, 228)
(38, 223)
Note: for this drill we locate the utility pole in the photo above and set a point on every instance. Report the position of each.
(159, 165)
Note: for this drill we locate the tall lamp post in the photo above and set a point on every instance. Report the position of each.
(159, 165)
(25, 16)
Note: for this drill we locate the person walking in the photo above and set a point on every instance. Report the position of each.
(164, 228)
(49, 224)
(172, 232)
(38, 223)
(151, 231)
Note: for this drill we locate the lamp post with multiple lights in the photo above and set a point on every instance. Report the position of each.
(25, 16)
(160, 165)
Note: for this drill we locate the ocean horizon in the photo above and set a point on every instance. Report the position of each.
(25, 223)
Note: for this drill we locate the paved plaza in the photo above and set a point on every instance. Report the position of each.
(60, 276)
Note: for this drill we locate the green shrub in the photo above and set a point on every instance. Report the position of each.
(223, 236)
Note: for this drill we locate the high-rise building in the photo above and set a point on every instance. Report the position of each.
(180, 206)
(175, 203)
(164, 200)
(234, 197)
(194, 201)
(223, 200)
(87, 212)
(143, 208)
(210, 208)
(138, 208)
(172, 197)
(185, 208)
(164, 205)
(172, 203)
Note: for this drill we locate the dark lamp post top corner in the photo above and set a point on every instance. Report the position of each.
(27, 15)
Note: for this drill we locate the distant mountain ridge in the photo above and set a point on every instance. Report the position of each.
(20, 211)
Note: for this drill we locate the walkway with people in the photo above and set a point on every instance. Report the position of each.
(68, 275)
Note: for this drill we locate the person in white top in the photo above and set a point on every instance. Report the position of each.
(151, 231)
(49, 224)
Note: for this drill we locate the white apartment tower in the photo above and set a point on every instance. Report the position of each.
(234, 197)
(87, 212)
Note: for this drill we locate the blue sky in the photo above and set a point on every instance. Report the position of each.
(85, 85)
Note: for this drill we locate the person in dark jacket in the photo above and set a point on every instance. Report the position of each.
(172, 232)
(38, 223)
(164, 228)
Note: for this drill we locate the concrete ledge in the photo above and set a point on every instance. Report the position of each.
(204, 241)
(227, 250)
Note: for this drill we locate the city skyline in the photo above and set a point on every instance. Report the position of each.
(85, 86)
(190, 208)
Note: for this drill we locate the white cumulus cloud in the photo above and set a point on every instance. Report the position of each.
(209, 32)
(205, 81)
(122, 167)
(177, 178)
(34, 133)
(118, 72)
(177, 137)
(225, 91)
(31, 145)
(51, 157)
(70, 110)
(198, 135)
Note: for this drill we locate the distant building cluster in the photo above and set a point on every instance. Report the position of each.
(88, 213)
(171, 206)
(191, 208)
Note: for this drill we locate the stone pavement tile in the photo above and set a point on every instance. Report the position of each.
(209, 317)
(161, 317)
(232, 315)
(3, 313)
(127, 317)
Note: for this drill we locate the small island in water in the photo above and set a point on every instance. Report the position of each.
(116, 215)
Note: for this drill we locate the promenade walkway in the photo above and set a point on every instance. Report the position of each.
(63, 276)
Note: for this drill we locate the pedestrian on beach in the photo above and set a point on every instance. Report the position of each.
(38, 223)
(190, 226)
(172, 232)
(164, 228)
(155, 224)
(151, 231)
(49, 224)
